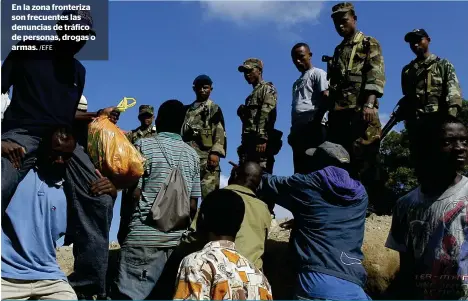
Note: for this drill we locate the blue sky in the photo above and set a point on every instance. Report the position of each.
(158, 48)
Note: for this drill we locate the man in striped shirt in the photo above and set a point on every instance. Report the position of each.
(146, 249)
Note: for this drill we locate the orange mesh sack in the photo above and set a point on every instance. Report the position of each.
(113, 154)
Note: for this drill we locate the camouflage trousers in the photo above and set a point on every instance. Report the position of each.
(249, 153)
(362, 141)
(209, 179)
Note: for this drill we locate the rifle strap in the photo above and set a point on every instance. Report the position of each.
(357, 39)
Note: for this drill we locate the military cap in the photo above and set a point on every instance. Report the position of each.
(416, 33)
(202, 80)
(146, 109)
(329, 150)
(250, 63)
(342, 7)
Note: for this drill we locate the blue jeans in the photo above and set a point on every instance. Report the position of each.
(89, 218)
(139, 271)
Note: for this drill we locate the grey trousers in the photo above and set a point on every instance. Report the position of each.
(139, 271)
(89, 217)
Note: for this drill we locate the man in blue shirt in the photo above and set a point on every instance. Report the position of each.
(47, 86)
(329, 209)
(29, 232)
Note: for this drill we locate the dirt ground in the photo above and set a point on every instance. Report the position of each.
(381, 263)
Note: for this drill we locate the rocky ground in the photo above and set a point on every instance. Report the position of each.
(381, 263)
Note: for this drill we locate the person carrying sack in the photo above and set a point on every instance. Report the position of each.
(160, 216)
(171, 208)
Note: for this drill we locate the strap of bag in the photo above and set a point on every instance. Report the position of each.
(167, 179)
(165, 156)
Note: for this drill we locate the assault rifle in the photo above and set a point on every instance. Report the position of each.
(396, 116)
(329, 60)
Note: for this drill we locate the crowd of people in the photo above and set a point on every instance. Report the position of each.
(184, 237)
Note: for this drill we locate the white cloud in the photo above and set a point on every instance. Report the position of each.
(283, 14)
(223, 181)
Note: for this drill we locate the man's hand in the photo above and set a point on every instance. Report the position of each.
(13, 152)
(213, 162)
(114, 117)
(287, 225)
(110, 112)
(261, 148)
(369, 114)
(106, 111)
(103, 186)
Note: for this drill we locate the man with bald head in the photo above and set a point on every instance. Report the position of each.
(251, 237)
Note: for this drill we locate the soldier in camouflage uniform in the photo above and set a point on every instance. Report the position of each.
(204, 130)
(258, 116)
(357, 80)
(429, 85)
(146, 128)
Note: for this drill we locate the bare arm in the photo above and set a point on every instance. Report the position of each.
(85, 116)
(89, 116)
(193, 207)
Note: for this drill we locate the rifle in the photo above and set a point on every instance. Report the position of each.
(329, 60)
(395, 117)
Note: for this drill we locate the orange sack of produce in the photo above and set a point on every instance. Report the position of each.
(113, 154)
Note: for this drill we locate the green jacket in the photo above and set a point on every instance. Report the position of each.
(204, 129)
(259, 114)
(137, 133)
(357, 67)
(431, 83)
(251, 238)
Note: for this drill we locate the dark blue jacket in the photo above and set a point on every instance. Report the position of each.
(329, 210)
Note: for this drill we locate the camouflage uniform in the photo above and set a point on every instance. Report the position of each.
(204, 131)
(431, 88)
(139, 133)
(258, 121)
(357, 68)
(126, 206)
